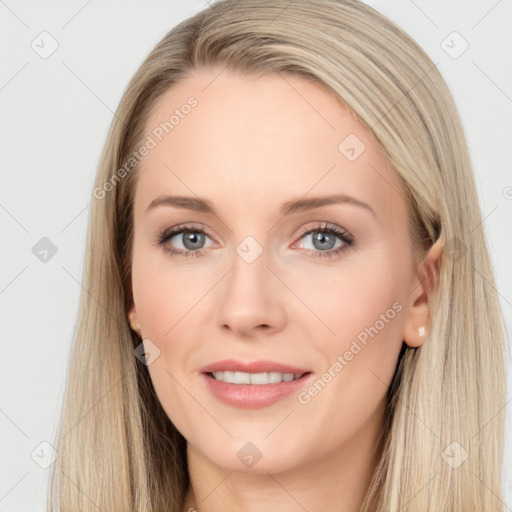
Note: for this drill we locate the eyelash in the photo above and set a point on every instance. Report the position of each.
(344, 235)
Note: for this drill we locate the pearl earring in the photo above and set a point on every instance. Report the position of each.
(421, 330)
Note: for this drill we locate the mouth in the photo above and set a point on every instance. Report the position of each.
(253, 384)
(259, 379)
(254, 390)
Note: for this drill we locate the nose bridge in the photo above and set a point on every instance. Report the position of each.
(250, 252)
(249, 296)
(249, 277)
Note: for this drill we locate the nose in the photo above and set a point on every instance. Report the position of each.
(251, 299)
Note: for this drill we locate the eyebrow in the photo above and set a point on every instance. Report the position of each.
(296, 205)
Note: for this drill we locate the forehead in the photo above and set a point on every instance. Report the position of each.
(261, 140)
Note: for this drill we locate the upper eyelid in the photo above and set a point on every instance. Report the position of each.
(327, 226)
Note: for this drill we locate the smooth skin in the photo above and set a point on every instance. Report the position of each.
(250, 145)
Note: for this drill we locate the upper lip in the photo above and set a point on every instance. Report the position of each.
(260, 366)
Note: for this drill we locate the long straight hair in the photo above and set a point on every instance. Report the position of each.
(443, 437)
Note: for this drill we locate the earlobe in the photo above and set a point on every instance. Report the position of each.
(422, 287)
(416, 338)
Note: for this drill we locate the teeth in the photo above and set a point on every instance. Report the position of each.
(255, 378)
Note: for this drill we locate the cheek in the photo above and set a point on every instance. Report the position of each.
(353, 298)
(363, 308)
(169, 303)
(164, 292)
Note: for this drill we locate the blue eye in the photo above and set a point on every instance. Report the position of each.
(324, 238)
(193, 240)
(195, 236)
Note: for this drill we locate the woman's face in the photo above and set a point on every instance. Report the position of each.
(266, 164)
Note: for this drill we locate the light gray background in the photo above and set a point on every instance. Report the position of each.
(55, 113)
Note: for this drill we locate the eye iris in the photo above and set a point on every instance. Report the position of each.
(194, 238)
(321, 237)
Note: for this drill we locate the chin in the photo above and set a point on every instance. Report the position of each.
(251, 457)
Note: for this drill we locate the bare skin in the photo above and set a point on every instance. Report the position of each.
(249, 146)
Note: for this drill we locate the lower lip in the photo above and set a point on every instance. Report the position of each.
(253, 396)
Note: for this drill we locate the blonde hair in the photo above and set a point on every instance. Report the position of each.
(118, 451)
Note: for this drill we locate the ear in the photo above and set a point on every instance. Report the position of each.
(134, 321)
(423, 285)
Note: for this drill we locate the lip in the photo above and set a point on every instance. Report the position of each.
(252, 367)
(253, 396)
